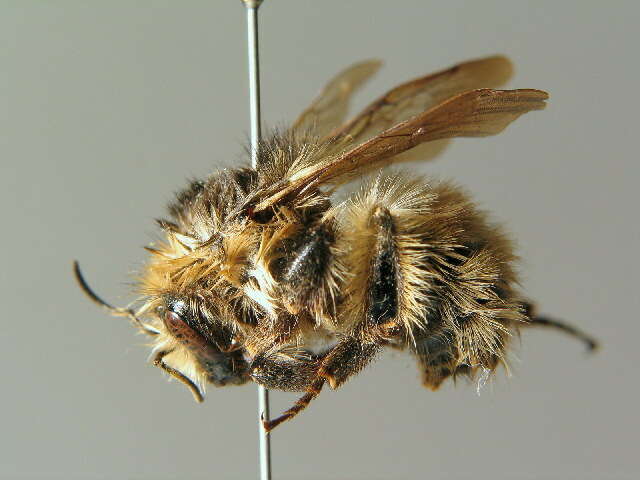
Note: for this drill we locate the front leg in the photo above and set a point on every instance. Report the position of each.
(290, 372)
(345, 359)
(158, 361)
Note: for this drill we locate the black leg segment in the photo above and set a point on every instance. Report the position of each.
(383, 285)
(303, 276)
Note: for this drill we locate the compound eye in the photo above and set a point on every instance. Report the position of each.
(174, 322)
(188, 337)
(180, 330)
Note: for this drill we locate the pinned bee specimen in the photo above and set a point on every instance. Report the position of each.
(262, 276)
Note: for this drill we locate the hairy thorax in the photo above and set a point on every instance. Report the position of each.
(302, 276)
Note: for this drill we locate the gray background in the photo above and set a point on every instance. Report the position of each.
(108, 106)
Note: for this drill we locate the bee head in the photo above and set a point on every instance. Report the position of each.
(189, 340)
(201, 347)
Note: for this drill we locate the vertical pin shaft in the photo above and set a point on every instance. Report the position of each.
(254, 76)
(254, 108)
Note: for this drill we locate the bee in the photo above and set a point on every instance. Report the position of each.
(262, 275)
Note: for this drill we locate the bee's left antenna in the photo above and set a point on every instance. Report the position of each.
(116, 311)
(254, 109)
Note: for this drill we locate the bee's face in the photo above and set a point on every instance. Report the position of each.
(211, 346)
(188, 287)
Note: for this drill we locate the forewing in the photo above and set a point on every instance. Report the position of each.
(476, 113)
(330, 107)
(416, 96)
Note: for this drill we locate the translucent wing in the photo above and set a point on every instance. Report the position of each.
(416, 96)
(476, 113)
(330, 107)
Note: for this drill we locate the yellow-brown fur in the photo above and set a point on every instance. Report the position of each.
(261, 277)
(434, 226)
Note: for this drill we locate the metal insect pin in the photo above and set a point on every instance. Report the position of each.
(252, 7)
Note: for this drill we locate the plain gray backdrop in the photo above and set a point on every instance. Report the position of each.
(108, 107)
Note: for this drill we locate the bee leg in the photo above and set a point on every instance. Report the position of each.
(269, 335)
(383, 289)
(283, 371)
(312, 390)
(590, 342)
(538, 321)
(345, 359)
(305, 273)
(158, 362)
(353, 353)
(437, 355)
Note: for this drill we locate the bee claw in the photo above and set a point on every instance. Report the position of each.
(333, 383)
(267, 425)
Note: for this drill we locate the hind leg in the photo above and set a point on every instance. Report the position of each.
(437, 359)
(541, 321)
